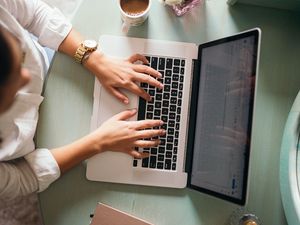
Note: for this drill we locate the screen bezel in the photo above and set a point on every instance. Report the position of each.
(193, 109)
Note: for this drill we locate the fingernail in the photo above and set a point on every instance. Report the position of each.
(126, 101)
(134, 110)
(161, 122)
(161, 86)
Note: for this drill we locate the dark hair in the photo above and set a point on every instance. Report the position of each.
(5, 57)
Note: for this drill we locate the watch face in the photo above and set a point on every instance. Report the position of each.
(90, 43)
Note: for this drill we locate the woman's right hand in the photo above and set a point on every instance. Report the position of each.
(118, 134)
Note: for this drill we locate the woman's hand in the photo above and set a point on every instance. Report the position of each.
(117, 134)
(115, 74)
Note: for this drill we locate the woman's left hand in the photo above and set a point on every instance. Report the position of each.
(115, 74)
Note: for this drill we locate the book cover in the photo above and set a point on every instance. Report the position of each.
(106, 215)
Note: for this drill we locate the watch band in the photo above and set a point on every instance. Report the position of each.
(84, 49)
(80, 52)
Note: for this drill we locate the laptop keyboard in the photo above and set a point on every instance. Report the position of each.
(166, 106)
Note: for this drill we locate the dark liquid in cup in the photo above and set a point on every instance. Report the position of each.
(134, 7)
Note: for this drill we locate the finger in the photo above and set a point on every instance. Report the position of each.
(143, 124)
(134, 88)
(147, 70)
(139, 155)
(151, 133)
(146, 144)
(137, 57)
(125, 115)
(143, 78)
(119, 95)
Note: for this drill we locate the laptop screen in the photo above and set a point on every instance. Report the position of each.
(221, 116)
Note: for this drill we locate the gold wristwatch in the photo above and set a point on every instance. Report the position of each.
(84, 50)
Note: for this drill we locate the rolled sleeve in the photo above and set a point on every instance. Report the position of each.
(55, 30)
(48, 24)
(44, 167)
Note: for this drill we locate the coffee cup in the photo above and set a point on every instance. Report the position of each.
(133, 12)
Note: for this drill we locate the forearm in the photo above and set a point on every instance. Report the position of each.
(71, 43)
(70, 155)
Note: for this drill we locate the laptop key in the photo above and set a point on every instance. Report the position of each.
(169, 63)
(166, 103)
(167, 80)
(167, 88)
(149, 115)
(174, 158)
(161, 63)
(181, 79)
(175, 150)
(150, 107)
(158, 97)
(168, 164)
(175, 77)
(176, 142)
(165, 111)
(153, 151)
(169, 146)
(154, 61)
(172, 108)
(182, 62)
(157, 105)
(180, 86)
(175, 69)
(161, 150)
(176, 62)
(135, 163)
(160, 165)
(160, 157)
(182, 70)
(174, 100)
(168, 73)
(145, 162)
(152, 161)
(168, 154)
(173, 166)
(157, 112)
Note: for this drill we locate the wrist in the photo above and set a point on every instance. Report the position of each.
(95, 143)
(94, 62)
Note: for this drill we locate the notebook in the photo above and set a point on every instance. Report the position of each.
(207, 104)
(106, 215)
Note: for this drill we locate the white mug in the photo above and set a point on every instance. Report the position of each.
(133, 20)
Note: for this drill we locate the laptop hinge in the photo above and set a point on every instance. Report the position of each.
(196, 66)
(192, 116)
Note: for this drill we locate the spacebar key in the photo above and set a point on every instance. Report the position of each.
(142, 109)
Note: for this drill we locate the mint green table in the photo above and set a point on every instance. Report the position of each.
(66, 111)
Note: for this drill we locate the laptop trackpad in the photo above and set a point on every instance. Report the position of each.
(115, 106)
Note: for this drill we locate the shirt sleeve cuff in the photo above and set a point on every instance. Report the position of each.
(55, 31)
(44, 166)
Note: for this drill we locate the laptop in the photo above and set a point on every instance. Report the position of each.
(207, 104)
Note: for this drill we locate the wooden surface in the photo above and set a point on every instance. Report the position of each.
(66, 111)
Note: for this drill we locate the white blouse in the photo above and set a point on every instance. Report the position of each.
(24, 169)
